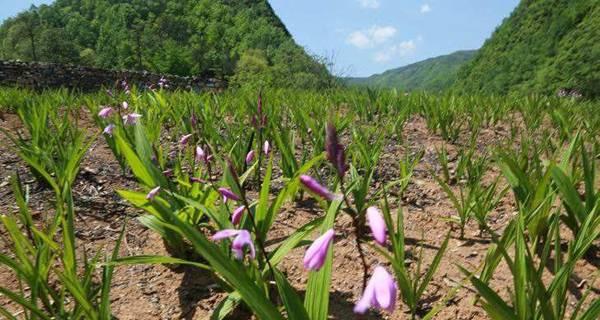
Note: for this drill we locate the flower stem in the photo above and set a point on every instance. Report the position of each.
(357, 223)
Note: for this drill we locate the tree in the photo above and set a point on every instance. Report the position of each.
(184, 37)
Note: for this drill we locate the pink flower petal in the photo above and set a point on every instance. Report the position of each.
(152, 194)
(226, 233)
(242, 240)
(250, 157)
(315, 255)
(377, 225)
(237, 215)
(311, 184)
(105, 112)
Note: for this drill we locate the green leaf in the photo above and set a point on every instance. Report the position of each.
(433, 266)
(292, 241)
(291, 300)
(263, 202)
(78, 293)
(107, 272)
(24, 303)
(593, 312)
(231, 270)
(569, 195)
(226, 306)
(7, 314)
(153, 259)
(520, 271)
(137, 166)
(494, 305)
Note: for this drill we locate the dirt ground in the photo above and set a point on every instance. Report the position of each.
(161, 292)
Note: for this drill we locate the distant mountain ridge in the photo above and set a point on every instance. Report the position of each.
(544, 46)
(433, 74)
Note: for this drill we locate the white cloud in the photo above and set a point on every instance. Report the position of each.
(371, 4)
(425, 8)
(373, 36)
(359, 39)
(401, 49)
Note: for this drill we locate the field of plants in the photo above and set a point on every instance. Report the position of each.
(141, 204)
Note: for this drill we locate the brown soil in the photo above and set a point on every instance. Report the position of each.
(161, 292)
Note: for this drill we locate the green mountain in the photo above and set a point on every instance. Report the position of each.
(242, 40)
(544, 46)
(433, 74)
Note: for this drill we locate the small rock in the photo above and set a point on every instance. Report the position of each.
(472, 254)
(90, 170)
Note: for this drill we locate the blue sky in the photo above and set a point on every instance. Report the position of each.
(364, 37)
(371, 36)
(10, 8)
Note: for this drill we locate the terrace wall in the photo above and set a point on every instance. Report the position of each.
(38, 75)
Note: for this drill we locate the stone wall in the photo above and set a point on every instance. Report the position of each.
(37, 75)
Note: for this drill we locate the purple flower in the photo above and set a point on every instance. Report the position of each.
(314, 258)
(335, 151)
(377, 225)
(125, 105)
(237, 214)
(202, 155)
(312, 185)
(184, 140)
(266, 148)
(108, 130)
(131, 118)
(105, 112)
(380, 293)
(193, 120)
(125, 87)
(153, 193)
(168, 173)
(250, 157)
(162, 83)
(228, 194)
(242, 239)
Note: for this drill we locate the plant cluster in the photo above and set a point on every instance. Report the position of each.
(214, 171)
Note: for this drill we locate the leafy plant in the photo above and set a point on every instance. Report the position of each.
(412, 282)
(531, 298)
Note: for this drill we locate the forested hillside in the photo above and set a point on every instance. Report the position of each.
(239, 40)
(433, 74)
(544, 46)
